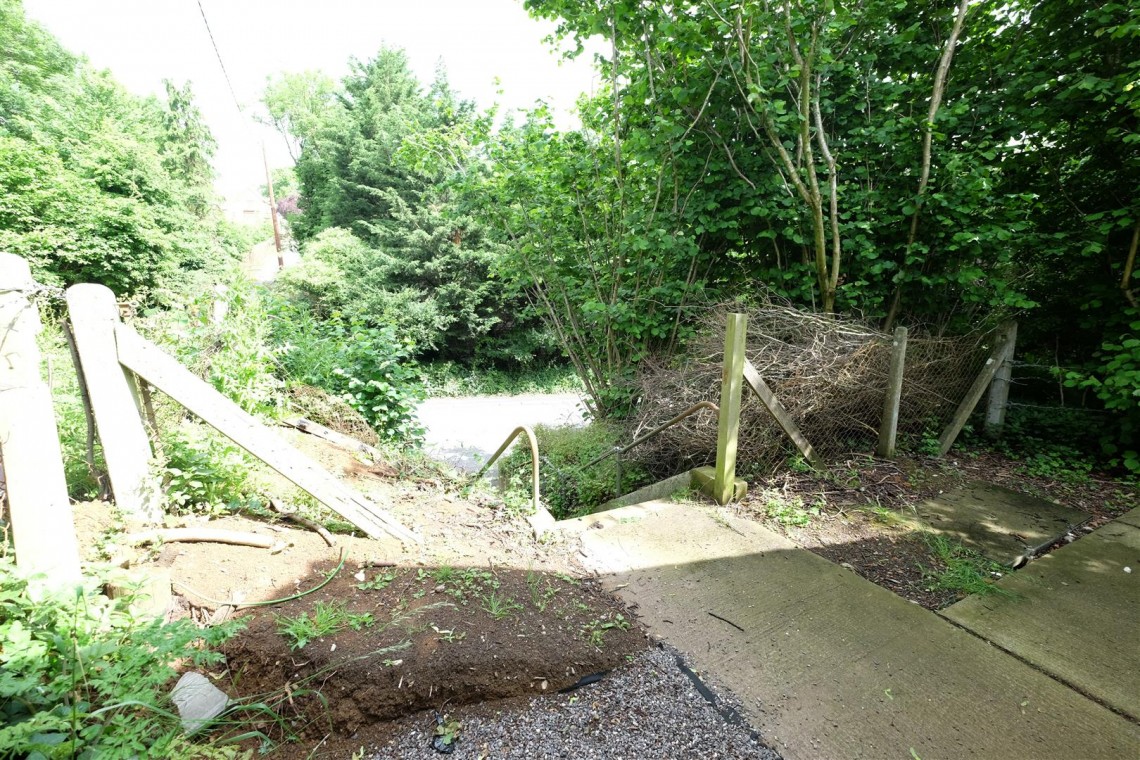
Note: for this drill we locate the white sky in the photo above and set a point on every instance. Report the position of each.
(144, 41)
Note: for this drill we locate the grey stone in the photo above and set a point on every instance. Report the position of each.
(1074, 613)
(198, 701)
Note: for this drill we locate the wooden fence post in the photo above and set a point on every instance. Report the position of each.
(728, 424)
(1006, 335)
(38, 507)
(780, 414)
(889, 426)
(999, 388)
(94, 315)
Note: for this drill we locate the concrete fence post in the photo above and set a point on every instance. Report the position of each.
(39, 510)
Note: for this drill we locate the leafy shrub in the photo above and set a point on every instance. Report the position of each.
(233, 353)
(204, 473)
(82, 678)
(1116, 382)
(70, 418)
(368, 367)
(567, 488)
(446, 379)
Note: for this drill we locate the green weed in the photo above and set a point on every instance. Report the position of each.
(380, 582)
(541, 590)
(498, 606)
(965, 571)
(595, 630)
(327, 618)
(83, 677)
(789, 511)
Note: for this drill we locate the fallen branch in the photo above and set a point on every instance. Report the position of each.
(726, 620)
(316, 527)
(200, 535)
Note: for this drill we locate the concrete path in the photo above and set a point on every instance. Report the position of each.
(465, 431)
(1006, 526)
(1074, 613)
(261, 263)
(829, 664)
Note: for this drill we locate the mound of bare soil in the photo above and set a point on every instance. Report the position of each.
(389, 641)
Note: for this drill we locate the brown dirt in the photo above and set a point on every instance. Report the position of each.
(345, 682)
(431, 638)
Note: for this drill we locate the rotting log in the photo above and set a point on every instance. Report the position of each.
(332, 436)
(149, 362)
(43, 529)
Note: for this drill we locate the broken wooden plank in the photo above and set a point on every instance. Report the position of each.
(332, 436)
(780, 414)
(43, 529)
(1007, 334)
(149, 362)
(94, 314)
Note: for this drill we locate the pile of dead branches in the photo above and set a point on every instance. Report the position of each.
(829, 372)
(334, 413)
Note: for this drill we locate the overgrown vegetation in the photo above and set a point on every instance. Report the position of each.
(98, 185)
(961, 570)
(568, 487)
(82, 677)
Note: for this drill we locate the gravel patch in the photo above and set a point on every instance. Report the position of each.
(649, 708)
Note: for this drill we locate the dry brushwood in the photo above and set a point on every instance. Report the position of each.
(334, 413)
(828, 371)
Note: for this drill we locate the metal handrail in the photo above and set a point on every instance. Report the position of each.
(618, 450)
(533, 459)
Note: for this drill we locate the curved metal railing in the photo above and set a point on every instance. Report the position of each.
(616, 451)
(533, 459)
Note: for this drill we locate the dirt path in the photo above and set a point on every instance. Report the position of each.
(261, 263)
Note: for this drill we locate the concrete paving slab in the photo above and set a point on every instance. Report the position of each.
(828, 664)
(1003, 525)
(1075, 614)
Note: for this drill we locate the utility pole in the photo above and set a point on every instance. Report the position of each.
(273, 210)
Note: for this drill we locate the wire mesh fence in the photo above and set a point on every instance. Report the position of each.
(830, 374)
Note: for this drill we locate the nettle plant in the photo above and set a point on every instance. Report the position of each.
(83, 678)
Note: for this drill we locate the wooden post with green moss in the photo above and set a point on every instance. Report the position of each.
(728, 425)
